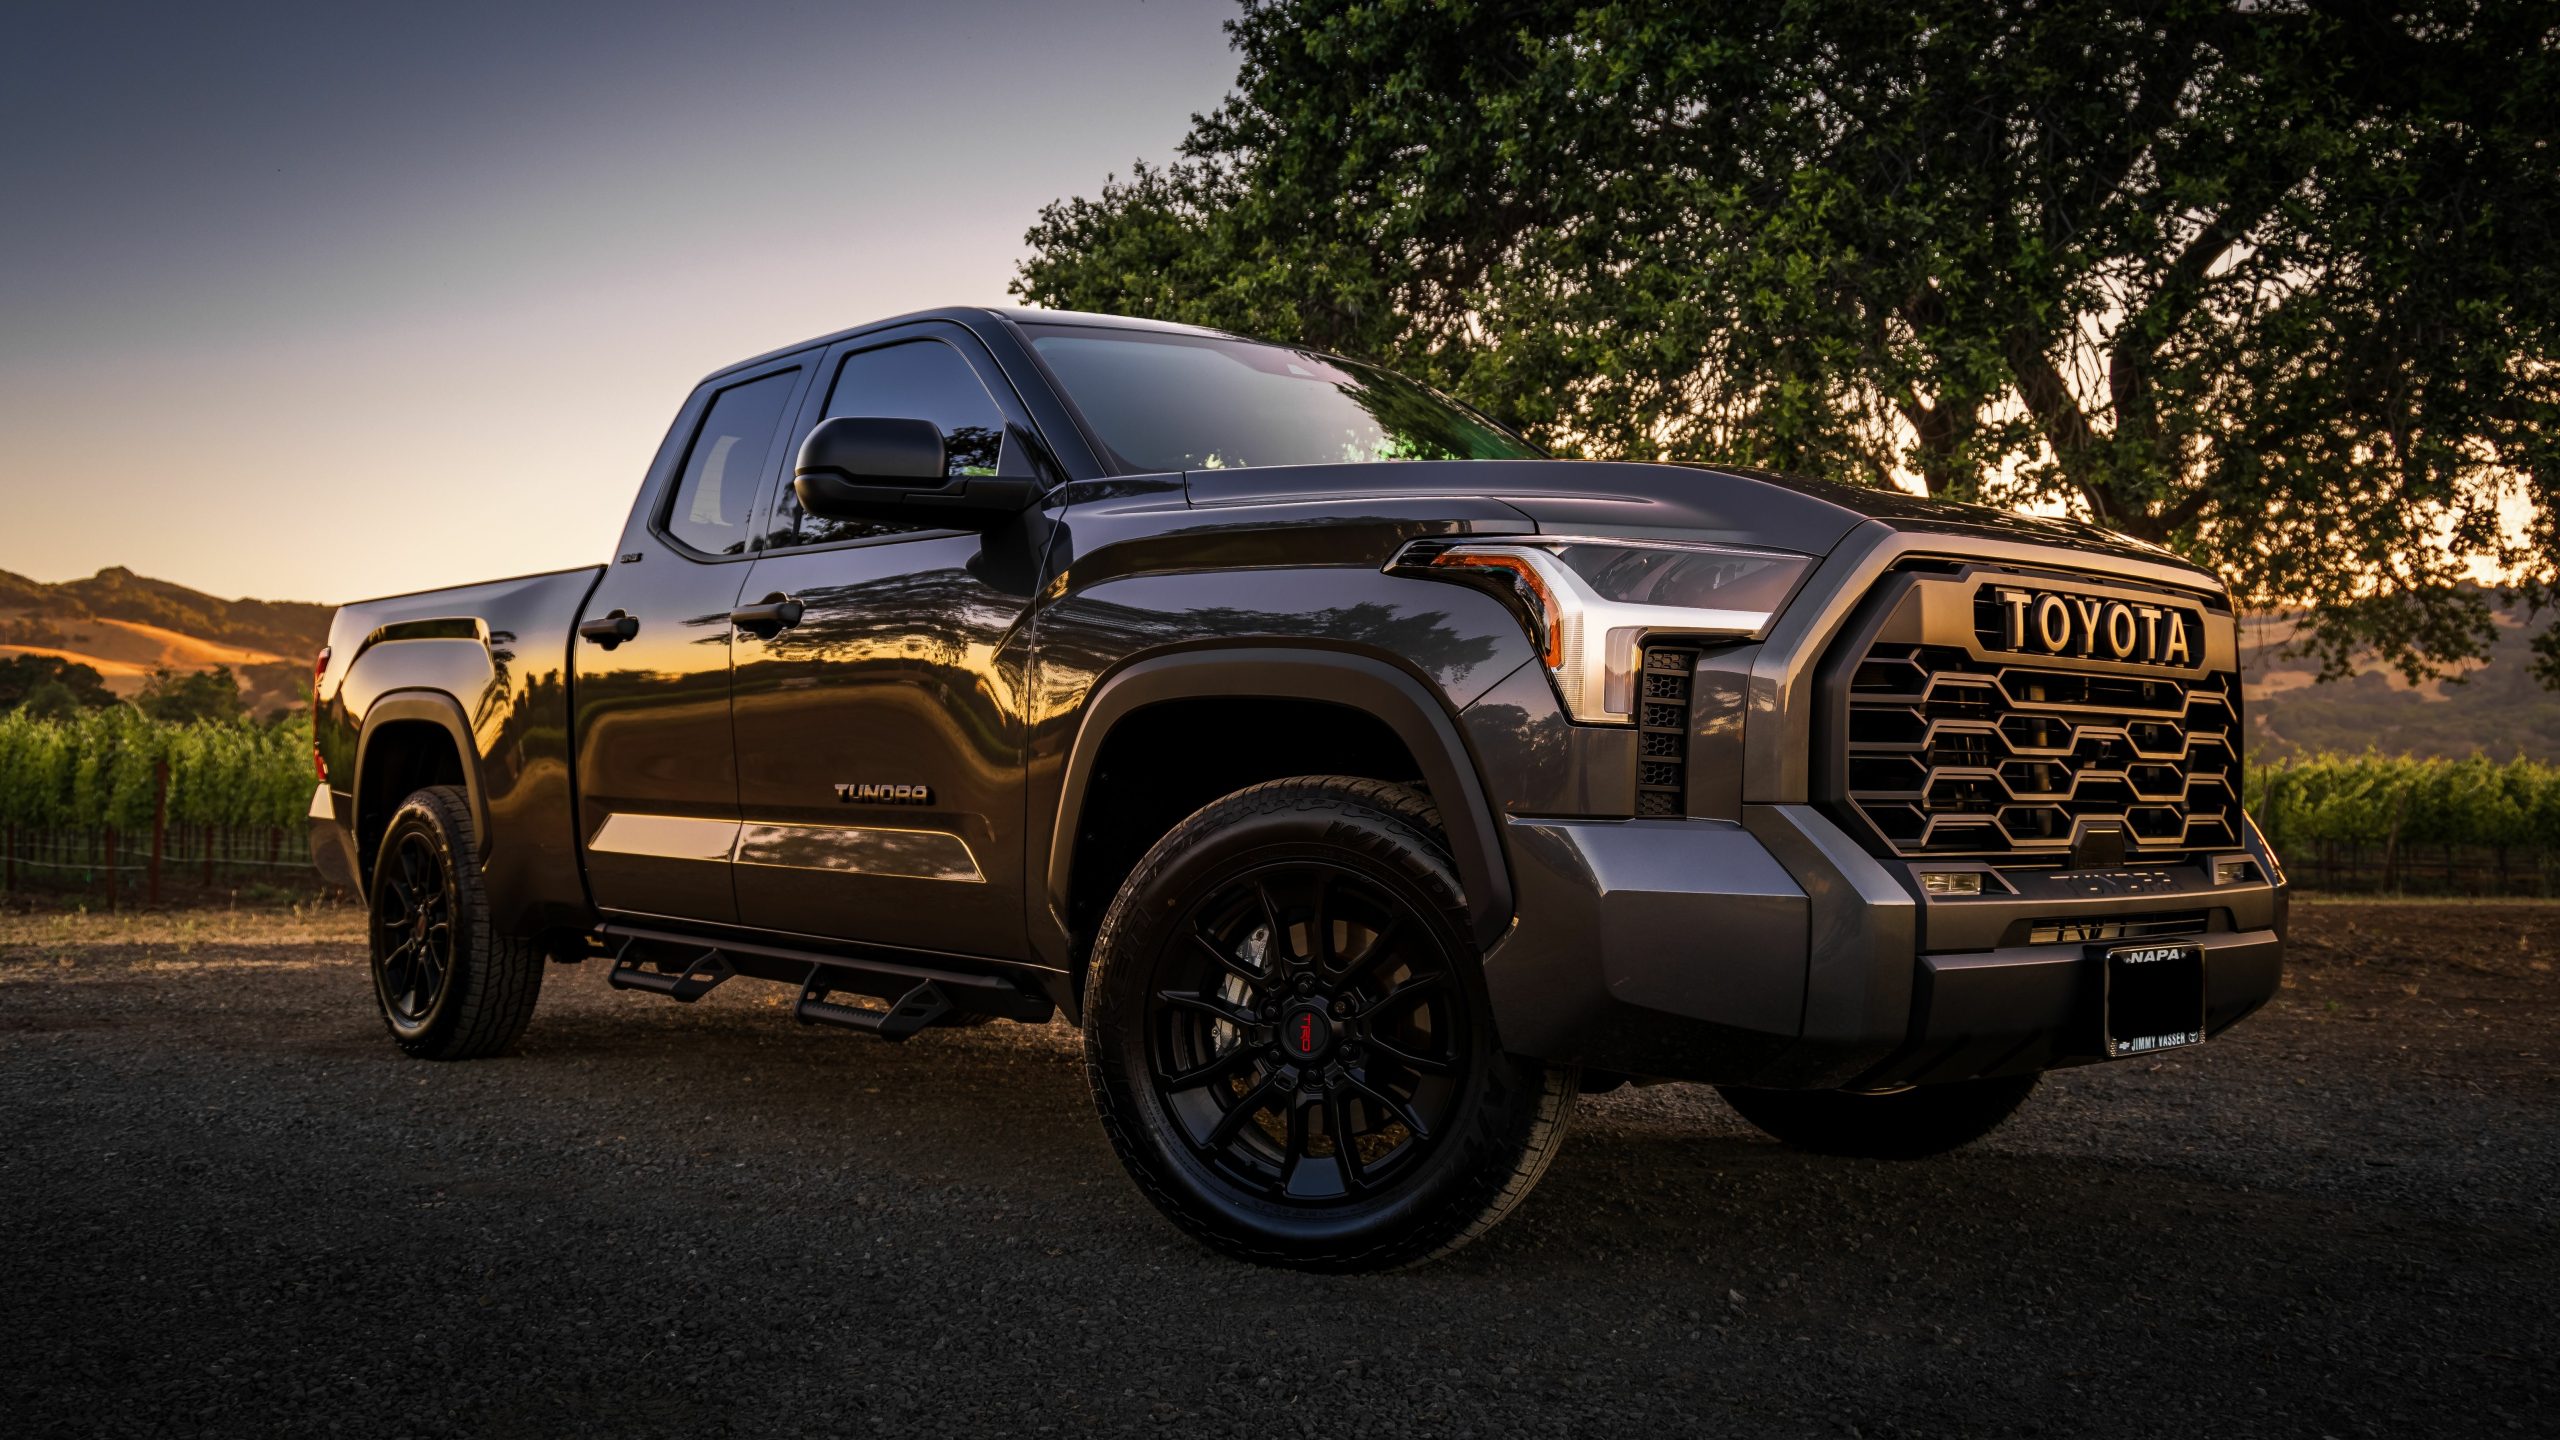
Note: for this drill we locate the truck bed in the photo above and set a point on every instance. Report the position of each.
(487, 665)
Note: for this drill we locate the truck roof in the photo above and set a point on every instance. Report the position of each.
(966, 314)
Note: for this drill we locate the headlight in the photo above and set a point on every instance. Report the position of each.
(1587, 603)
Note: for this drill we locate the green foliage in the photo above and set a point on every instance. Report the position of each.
(50, 700)
(2371, 799)
(21, 676)
(179, 697)
(2270, 285)
(95, 771)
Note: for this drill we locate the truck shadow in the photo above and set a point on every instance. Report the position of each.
(1665, 1184)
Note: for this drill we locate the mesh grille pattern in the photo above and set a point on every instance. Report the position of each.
(1662, 731)
(1954, 758)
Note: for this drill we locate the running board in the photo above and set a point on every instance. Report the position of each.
(698, 979)
(917, 995)
(920, 1006)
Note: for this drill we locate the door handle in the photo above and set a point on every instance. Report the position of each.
(768, 617)
(609, 630)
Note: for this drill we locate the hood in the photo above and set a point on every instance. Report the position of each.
(1719, 505)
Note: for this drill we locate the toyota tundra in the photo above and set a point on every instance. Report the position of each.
(1363, 782)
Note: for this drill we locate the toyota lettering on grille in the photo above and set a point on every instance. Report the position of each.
(2093, 627)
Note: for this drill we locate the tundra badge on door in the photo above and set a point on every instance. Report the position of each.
(885, 794)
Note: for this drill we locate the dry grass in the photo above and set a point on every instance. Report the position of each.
(47, 932)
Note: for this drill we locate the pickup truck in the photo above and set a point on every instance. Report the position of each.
(1364, 783)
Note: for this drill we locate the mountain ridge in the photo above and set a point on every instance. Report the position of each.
(125, 625)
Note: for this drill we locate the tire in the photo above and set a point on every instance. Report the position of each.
(1902, 1124)
(449, 987)
(1325, 1096)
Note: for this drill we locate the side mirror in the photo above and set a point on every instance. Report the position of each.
(866, 467)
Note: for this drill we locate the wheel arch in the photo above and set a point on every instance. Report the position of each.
(1390, 704)
(412, 738)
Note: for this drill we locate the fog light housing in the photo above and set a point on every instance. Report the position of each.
(2234, 870)
(1951, 882)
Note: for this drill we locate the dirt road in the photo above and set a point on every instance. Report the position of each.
(227, 1206)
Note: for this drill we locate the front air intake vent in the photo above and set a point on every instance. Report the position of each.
(2110, 927)
(1663, 685)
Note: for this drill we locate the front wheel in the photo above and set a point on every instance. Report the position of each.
(1289, 1040)
(1903, 1124)
(449, 986)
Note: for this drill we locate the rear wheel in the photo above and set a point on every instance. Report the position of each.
(1289, 1040)
(1903, 1124)
(449, 986)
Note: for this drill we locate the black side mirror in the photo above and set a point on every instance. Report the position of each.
(866, 467)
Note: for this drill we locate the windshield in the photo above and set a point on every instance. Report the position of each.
(1198, 402)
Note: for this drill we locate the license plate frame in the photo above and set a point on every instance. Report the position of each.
(2154, 997)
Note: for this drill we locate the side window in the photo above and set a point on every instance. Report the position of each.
(732, 453)
(910, 380)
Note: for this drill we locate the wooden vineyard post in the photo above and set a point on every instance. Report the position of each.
(159, 822)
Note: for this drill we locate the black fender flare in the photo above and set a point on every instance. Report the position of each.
(436, 708)
(1359, 682)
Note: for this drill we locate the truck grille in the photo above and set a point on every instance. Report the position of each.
(1663, 683)
(1951, 757)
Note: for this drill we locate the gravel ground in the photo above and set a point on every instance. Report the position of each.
(230, 1207)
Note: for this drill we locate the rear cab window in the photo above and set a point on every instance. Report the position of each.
(712, 508)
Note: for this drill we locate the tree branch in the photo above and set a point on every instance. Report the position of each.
(2048, 398)
(2138, 340)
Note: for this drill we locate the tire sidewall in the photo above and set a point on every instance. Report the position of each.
(417, 816)
(1202, 856)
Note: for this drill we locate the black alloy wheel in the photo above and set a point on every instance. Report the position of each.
(412, 933)
(1304, 1033)
(1289, 1038)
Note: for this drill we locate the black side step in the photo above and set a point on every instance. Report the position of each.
(698, 979)
(921, 1005)
(919, 992)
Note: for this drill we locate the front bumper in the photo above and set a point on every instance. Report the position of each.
(1775, 951)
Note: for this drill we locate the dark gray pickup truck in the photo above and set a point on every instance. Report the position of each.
(1361, 781)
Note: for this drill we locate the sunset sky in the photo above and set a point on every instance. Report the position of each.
(325, 301)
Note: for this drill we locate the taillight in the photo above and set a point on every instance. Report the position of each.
(319, 667)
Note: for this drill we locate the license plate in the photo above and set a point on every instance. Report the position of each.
(2155, 998)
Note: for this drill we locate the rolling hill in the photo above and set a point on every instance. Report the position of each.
(125, 625)
(2495, 709)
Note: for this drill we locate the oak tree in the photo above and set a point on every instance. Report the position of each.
(2270, 284)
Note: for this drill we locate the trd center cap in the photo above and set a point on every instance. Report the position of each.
(1306, 1032)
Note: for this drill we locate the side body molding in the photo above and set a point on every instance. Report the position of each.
(1358, 682)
